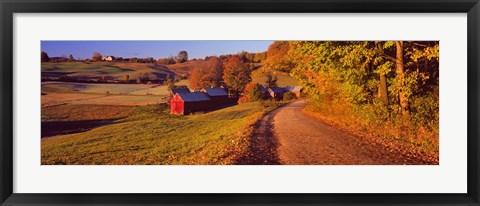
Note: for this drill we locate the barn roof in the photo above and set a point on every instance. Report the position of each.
(262, 88)
(277, 89)
(293, 88)
(194, 96)
(215, 92)
(180, 90)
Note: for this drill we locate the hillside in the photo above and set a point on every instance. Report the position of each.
(150, 135)
(114, 70)
(258, 75)
(185, 68)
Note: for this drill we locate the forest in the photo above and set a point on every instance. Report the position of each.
(383, 88)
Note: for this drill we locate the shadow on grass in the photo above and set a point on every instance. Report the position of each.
(52, 128)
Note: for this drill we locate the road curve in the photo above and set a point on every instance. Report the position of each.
(288, 136)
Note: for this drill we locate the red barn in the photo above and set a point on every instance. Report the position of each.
(297, 90)
(186, 103)
(276, 92)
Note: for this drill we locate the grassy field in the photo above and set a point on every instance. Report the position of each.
(186, 68)
(150, 135)
(58, 93)
(98, 88)
(282, 80)
(115, 70)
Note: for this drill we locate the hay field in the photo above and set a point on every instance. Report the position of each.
(282, 80)
(115, 70)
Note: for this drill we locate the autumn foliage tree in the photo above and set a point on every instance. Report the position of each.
(252, 93)
(236, 74)
(96, 57)
(276, 57)
(182, 56)
(208, 74)
(44, 57)
(380, 83)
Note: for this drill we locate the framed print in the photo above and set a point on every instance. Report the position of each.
(247, 103)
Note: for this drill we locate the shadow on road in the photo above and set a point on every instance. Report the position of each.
(264, 144)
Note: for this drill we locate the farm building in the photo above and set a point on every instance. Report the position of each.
(294, 89)
(264, 91)
(108, 58)
(186, 103)
(179, 90)
(262, 88)
(218, 96)
(276, 92)
(172, 92)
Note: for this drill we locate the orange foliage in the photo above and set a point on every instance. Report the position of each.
(207, 75)
(236, 74)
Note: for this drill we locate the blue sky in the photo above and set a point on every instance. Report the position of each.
(155, 49)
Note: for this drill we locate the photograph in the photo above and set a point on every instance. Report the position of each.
(239, 102)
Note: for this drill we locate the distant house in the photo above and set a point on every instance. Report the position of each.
(108, 58)
(276, 92)
(186, 103)
(218, 96)
(294, 89)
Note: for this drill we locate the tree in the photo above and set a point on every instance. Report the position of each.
(169, 82)
(44, 57)
(271, 80)
(251, 93)
(96, 57)
(277, 56)
(236, 74)
(70, 58)
(400, 78)
(208, 74)
(260, 57)
(287, 96)
(166, 61)
(250, 57)
(182, 56)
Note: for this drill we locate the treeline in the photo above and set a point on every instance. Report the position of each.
(181, 57)
(389, 87)
(230, 71)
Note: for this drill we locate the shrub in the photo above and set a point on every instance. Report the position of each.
(252, 93)
(287, 96)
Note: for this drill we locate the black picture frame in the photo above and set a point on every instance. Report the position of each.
(10, 7)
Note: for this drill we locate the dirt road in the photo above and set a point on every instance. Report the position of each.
(287, 136)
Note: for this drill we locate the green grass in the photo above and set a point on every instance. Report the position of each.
(80, 67)
(152, 136)
(98, 88)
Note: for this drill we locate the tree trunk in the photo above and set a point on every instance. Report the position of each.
(382, 89)
(400, 77)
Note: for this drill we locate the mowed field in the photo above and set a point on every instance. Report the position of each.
(283, 79)
(114, 70)
(58, 93)
(150, 135)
